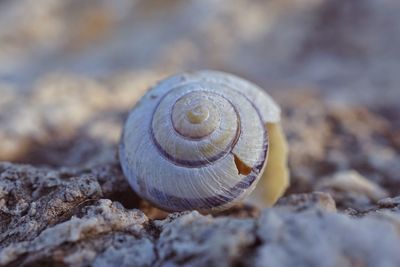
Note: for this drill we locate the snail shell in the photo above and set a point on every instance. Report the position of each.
(197, 141)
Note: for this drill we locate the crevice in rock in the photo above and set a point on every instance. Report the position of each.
(248, 252)
(154, 232)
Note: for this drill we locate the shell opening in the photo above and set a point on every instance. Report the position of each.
(241, 166)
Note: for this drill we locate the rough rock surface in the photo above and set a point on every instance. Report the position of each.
(72, 206)
(79, 228)
(70, 70)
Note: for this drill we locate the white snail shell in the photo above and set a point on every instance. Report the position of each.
(197, 141)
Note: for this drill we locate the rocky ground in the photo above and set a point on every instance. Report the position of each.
(331, 65)
(66, 202)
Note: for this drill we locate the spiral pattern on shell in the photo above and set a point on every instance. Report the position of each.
(197, 141)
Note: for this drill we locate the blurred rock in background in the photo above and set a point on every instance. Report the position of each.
(347, 49)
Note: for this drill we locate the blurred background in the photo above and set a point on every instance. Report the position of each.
(349, 49)
(70, 70)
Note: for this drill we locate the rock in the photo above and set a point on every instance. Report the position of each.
(326, 139)
(314, 200)
(196, 240)
(103, 228)
(65, 206)
(126, 250)
(315, 238)
(59, 217)
(353, 189)
(353, 182)
(65, 117)
(389, 202)
(241, 210)
(33, 199)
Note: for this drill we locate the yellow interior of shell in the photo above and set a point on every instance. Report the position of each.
(275, 178)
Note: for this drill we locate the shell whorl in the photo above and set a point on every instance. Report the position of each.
(197, 141)
(201, 127)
